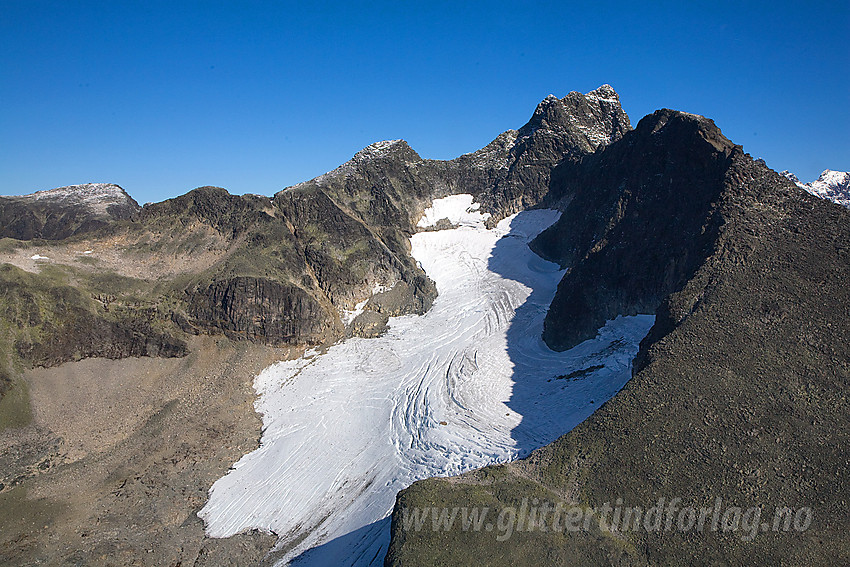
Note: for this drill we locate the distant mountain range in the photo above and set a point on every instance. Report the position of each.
(831, 185)
(737, 395)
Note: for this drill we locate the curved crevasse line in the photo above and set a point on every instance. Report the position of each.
(437, 395)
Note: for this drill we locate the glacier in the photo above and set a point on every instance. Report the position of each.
(467, 384)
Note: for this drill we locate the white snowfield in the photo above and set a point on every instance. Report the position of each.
(468, 384)
(459, 210)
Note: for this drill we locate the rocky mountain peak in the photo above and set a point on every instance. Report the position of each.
(398, 149)
(594, 119)
(604, 93)
(61, 212)
(830, 185)
(791, 176)
(101, 200)
(685, 127)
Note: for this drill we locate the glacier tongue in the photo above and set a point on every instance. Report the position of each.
(468, 384)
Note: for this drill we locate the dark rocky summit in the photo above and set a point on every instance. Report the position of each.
(640, 217)
(738, 392)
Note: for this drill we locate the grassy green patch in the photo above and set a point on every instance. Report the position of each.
(8, 245)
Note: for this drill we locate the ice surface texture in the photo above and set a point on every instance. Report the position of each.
(468, 384)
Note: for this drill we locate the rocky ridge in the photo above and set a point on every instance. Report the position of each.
(282, 270)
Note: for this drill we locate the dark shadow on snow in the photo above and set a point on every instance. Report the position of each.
(366, 546)
(553, 392)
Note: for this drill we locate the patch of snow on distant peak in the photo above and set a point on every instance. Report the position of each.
(604, 93)
(830, 185)
(97, 197)
(377, 150)
(459, 210)
(793, 178)
(692, 115)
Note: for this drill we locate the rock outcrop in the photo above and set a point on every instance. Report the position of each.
(262, 309)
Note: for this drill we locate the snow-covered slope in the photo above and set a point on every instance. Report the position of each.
(456, 209)
(467, 384)
(831, 185)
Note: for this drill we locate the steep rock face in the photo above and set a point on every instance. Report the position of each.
(622, 258)
(738, 394)
(513, 172)
(831, 185)
(261, 309)
(59, 213)
(354, 223)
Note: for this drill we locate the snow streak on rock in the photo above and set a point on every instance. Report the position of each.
(468, 384)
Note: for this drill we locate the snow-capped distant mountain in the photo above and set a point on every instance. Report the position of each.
(59, 213)
(102, 200)
(831, 185)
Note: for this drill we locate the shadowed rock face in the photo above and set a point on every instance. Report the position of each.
(640, 216)
(739, 390)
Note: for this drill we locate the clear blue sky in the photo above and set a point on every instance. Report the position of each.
(162, 97)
